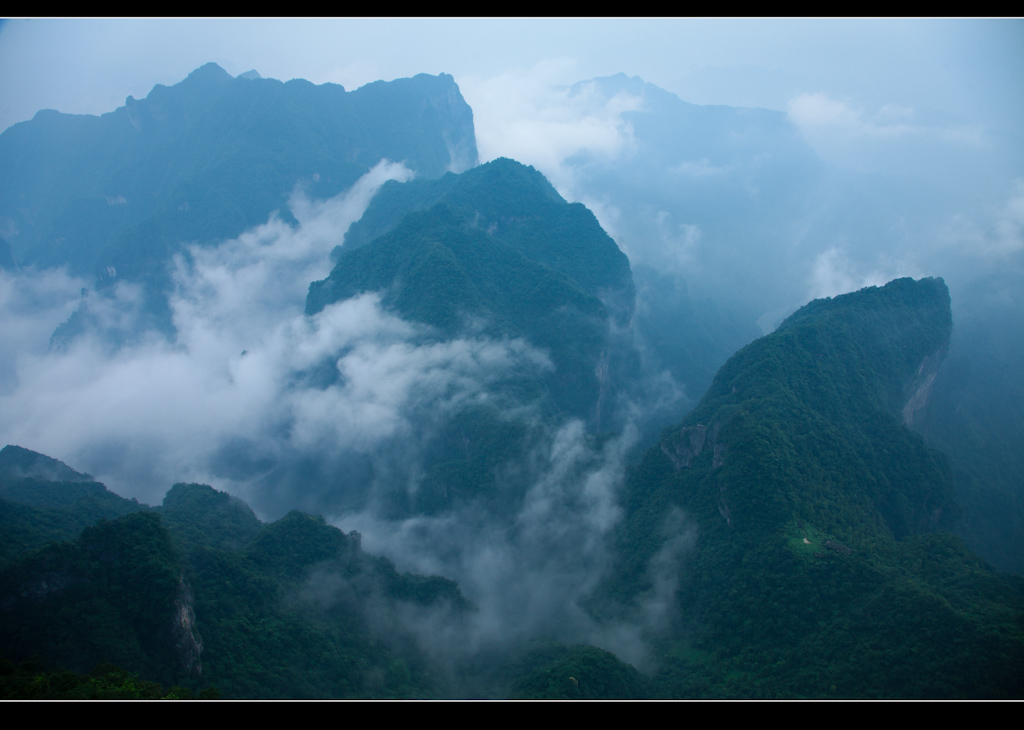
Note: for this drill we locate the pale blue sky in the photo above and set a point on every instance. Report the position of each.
(972, 69)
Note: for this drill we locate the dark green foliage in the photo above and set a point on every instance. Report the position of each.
(495, 252)
(473, 447)
(517, 205)
(579, 673)
(43, 500)
(297, 541)
(290, 609)
(107, 596)
(816, 570)
(29, 681)
(298, 612)
(44, 493)
(442, 273)
(25, 528)
(498, 252)
(18, 463)
(502, 189)
(199, 516)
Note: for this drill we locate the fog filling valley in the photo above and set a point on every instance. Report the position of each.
(236, 400)
(331, 413)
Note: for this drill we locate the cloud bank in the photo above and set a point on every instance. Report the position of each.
(247, 374)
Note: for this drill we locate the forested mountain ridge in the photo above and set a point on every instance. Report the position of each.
(791, 534)
(512, 203)
(732, 221)
(517, 204)
(803, 528)
(199, 592)
(832, 371)
(494, 254)
(43, 500)
(499, 251)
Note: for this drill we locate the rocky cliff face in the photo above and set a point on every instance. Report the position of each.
(457, 128)
(920, 387)
(186, 636)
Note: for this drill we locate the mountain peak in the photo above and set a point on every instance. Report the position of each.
(208, 72)
(17, 462)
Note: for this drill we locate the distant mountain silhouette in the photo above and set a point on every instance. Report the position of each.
(116, 196)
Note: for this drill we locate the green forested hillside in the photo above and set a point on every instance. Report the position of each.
(790, 538)
(512, 204)
(498, 253)
(495, 252)
(199, 593)
(517, 205)
(822, 565)
(43, 500)
(107, 596)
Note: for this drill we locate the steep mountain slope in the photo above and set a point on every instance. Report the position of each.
(498, 250)
(496, 253)
(790, 535)
(730, 220)
(514, 204)
(819, 565)
(115, 196)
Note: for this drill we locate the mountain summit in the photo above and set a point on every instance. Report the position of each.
(495, 247)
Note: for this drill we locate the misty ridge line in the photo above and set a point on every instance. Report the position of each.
(342, 412)
(240, 340)
(587, 99)
(246, 295)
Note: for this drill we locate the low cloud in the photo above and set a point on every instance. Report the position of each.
(290, 411)
(531, 117)
(247, 373)
(834, 273)
(893, 139)
(529, 575)
(32, 304)
(814, 113)
(1003, 239)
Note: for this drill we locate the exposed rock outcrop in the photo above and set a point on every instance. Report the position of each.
(919, 389)
(685, 445)
(187, 641)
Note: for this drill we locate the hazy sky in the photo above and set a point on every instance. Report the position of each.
(969, 69)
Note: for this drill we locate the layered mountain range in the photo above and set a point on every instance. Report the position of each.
(792, 536)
